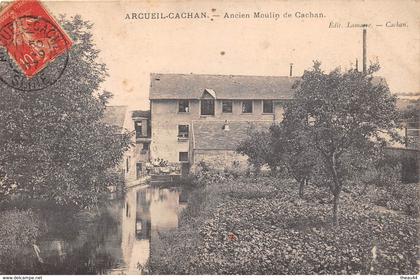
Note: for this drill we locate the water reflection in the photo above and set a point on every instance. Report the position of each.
(112, 240)
(147, 213)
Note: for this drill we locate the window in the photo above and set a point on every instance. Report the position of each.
(138, 127)
(247, 106)
(127, 164)
(227, 106)
(146, 146)
(268, 106)
(139, 169)
(183, 106)
(183, 156)
(183, 130)
(207, 107)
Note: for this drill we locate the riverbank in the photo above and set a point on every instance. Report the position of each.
(261, 226)
(57, 240)
(113, 238)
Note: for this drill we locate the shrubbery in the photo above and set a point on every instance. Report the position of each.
(204, 175)
(399, 197)
(170, 253)
(19, 230)
(382, 184)
(276, 232)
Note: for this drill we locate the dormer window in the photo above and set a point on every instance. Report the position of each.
(183, 106)
(207, 102)
(207, 107)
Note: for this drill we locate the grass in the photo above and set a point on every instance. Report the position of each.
(260, 226)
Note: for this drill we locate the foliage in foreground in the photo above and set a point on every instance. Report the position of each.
(80, 236)
(19, 230)
(259, 149)
(335, 126)
(260, 226)
(53, 143)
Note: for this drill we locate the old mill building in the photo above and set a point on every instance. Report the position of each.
(195, 117)
(203, 117)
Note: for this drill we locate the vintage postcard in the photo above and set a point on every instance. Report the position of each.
(209, 137)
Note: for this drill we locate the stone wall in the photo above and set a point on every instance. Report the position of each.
(165, 119)
(220, 159)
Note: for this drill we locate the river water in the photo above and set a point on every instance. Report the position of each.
(115, 239)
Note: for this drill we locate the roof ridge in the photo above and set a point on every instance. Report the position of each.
(110, 106)
(250, 121)
(191, 86)
(224, 75)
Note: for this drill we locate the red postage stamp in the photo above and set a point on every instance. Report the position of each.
(31, 36)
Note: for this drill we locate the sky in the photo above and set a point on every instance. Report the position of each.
(134, 48)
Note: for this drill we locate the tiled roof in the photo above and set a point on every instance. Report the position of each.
(115, 115)
(192, 86)
(140, 114)
(210, 135)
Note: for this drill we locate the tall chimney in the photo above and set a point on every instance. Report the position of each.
(364, 50)
(357, 65)
(291, 70)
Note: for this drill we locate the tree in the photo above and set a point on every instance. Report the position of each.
(347, 116)
(291, 143)
(53, 143)
(257, 146)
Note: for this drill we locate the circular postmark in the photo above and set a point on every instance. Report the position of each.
(32, 45)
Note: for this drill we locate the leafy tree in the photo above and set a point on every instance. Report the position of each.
(53, 143)
(291, 143)
(257, 146)
(18, 230)
(347, 116)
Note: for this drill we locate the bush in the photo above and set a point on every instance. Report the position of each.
(204, 174)
(274, 232)
(19, 230)
(384, 187)
(399, 197)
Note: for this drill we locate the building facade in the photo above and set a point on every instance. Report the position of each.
(142, 135)
(133, 164)
(190, 113)
(215, 142)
